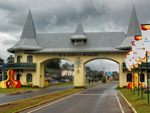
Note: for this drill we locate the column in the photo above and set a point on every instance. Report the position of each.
(121, 75)
(42, 78)
(39, 76)
(79, 75)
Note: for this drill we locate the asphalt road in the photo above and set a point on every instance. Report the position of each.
(11, 98)
(99, 99)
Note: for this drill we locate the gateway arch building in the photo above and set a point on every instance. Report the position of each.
(33, 50)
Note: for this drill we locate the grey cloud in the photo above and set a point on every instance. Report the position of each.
(9, 42)
(96, 13)
(67, 16)
(103, 65)
(10, 5)
(62, 15)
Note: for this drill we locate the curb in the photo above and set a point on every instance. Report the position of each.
(128, 102)
(47, 101)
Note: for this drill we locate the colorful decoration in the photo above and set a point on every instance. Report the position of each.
(134, 83)
(145, 27)
(146, 37)
(10, 81)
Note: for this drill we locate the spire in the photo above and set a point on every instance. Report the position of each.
(28, 38)
(133, 28)
(79, 30)
(29, 29)
(79, 35)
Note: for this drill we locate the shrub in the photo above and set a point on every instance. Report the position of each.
(104, 80)
(28, 84)
(35, 86)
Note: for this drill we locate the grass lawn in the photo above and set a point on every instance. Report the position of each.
(8, 90)
(61, 84)
(139, 104)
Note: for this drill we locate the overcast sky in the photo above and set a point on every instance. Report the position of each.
(62, 15)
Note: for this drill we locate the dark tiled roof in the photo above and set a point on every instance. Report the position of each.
(25, 44)
(61, 42)
(105, 41)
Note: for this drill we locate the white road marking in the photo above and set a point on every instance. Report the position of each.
(76, 94)
(53, 102)
(121, 108)
(93, 94)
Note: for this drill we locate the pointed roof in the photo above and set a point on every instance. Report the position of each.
(79, 34)
(134, 27)
(29, 29)
(28, 37)
(133, 30)
(79, 29)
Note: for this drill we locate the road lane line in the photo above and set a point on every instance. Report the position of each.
(121, 108)
(93, 94)
(54, 102)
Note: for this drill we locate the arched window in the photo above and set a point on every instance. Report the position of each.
(142, 77)
(18, 77)
(29, 77)
(129, 77)
(29, 59)
(18, 58)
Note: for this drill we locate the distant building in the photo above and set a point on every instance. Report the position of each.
(3, 73)
(115, 75)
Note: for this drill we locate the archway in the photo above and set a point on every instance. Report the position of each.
(57, 71)
(79, 60)
(96, 69)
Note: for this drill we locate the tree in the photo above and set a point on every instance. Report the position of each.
(88, 69)
(67, 66)
(53, 67)
(1, 61)
(10, 59)
(54, 64)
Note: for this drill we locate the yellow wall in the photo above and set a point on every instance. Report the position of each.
(145, 77)
(79, 70)
(23, 76)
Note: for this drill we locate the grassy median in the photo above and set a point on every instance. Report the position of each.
(34, 101)
(139, 104)
(8, 90)
(15, 106)
(25, 89)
